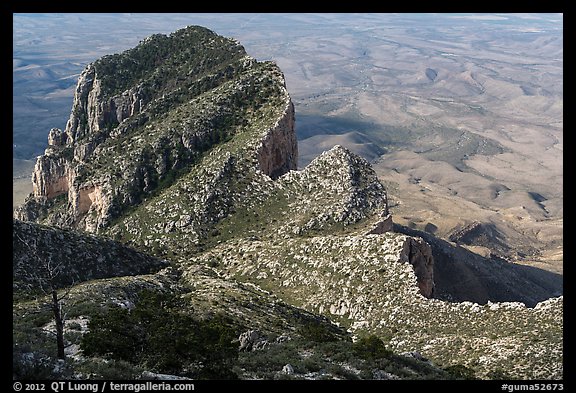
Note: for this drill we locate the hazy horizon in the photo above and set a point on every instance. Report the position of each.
(50, 50)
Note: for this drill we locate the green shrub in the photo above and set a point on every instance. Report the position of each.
(370, 348)
(316, 332)
(340, 372)
(271, 359)
(158, 335)
(498, 374)
(312, 364)
(37, 365)
(459, 371)
(109, 370)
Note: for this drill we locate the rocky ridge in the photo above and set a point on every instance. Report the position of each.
(36, 248)
(264, 323)
(184, 148)
(120, 145)
(362, 283)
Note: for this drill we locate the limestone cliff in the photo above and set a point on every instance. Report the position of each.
(51, 176)
(419, 254)
(93, 111)
(278, 153)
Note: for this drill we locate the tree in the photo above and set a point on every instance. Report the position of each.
(159, 334)
(371, 347)
(46, 277)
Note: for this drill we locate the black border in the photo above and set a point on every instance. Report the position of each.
(268, 385)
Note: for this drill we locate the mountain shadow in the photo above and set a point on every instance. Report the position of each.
(308, 125)
(461, 275)
(317, 134)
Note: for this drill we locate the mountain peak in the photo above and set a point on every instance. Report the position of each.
(142, 118)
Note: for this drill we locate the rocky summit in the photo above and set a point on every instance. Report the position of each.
(174, 188)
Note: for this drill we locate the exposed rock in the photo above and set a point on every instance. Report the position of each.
(344, 277)
(278, 153)
(336, 188)
(51, 177)
(103, 171)
(93, 111)
(81, 121)
(462, 275)
(193, 159)
(150, 376)
(386, 225)
(283, 338)
(288, 369)
(383, 375)
(56, 137)
(88, 196)
(419, 254)
(415, 355)
(252, 340)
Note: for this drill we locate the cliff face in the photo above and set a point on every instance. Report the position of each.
(278, 153)
(93, 111)
(205, 165)
(51, 177)
(419, 254)
(82, 118)
(118, 148)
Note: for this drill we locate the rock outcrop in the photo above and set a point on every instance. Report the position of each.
(92, 111)
(51, 177)
(382, 226)
(56, 137)
(338, 188)
(419, 254)
(95, 112)
(252, 340)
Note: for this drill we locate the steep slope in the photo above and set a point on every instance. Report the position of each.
(184, 148)
(268, 332)
(141, 118)
(70, 257)
(462, 275)
(361, 282)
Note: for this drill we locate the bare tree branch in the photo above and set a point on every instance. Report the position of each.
(46, 277)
